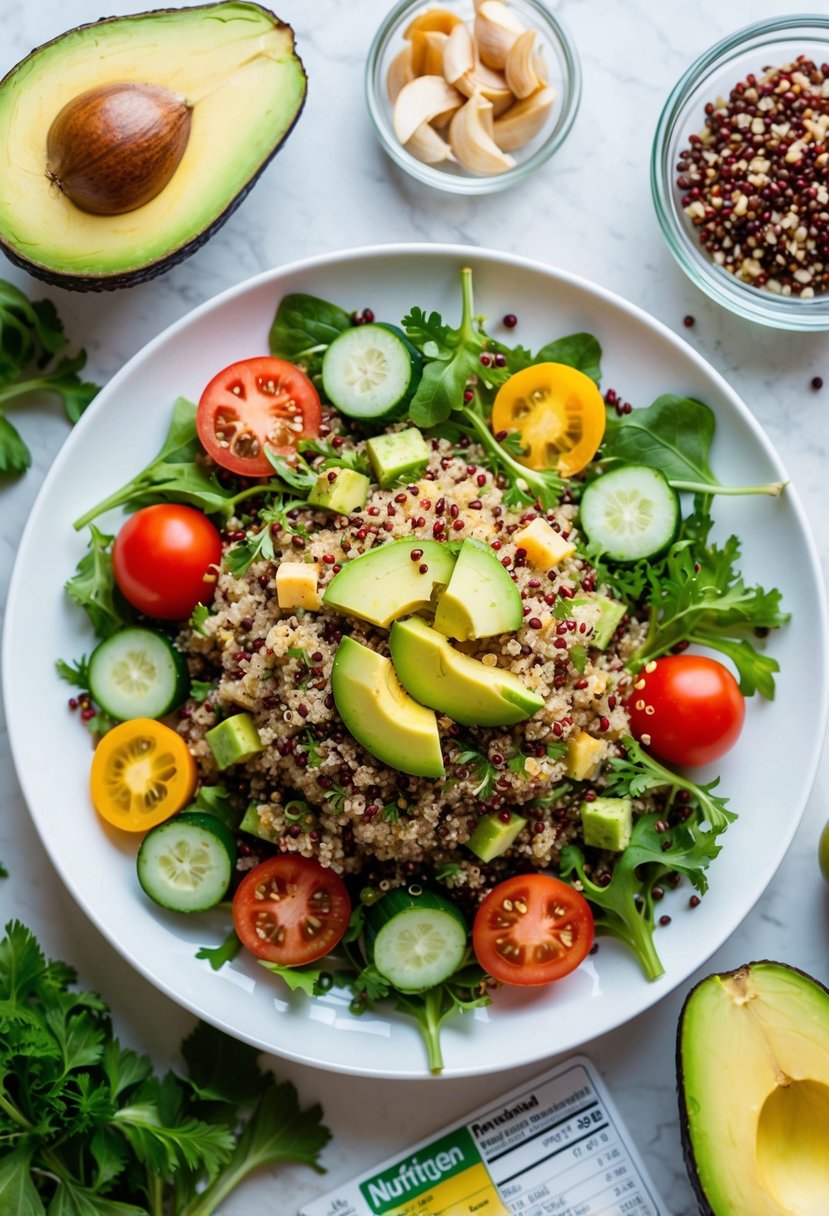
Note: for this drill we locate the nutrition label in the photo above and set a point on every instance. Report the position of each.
(555, 1147)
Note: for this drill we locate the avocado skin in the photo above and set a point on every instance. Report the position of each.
(688, 1154)
(142, 274)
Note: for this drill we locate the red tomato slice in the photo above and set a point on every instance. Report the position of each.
(686, 709)
(165, 560)
(254, 404)
(291, 910)
(532, 929)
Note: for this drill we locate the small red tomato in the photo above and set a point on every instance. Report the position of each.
(165, 560)
(686, 709)
(291, 910)
(532, 929)
(255, 405)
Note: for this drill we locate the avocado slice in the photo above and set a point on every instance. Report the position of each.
(387, 582)
(753, 1075)
(381, 715)
(464, 689)
(481, 599)
(605, 616)
(234, 62)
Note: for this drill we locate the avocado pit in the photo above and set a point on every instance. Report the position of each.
(114, 148)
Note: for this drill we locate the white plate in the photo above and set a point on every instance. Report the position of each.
(767, 777)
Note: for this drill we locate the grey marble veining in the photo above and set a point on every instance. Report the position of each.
(588, 211)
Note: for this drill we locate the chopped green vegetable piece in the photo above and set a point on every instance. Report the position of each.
(234, 740)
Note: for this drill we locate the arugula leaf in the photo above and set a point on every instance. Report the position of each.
(304, 327)
(461, 993)
(76, 673)
(453, 357)
(300, 979)
(674, 434)
(625, 907)
(697, 595)
(88, 1130)
(217, 956)
(177, 474)
(92, 586)
(637, 774)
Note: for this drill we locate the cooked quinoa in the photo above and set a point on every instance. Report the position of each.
(367, 818)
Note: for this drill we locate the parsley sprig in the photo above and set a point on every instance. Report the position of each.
(31, 338)
(86, 1127)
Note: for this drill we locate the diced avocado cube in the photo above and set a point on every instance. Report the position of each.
(253, 825)
(345, 492)
(606, 622)
(607, 823)
(398, 456)
(491, 837)
(234, 740)
(582, 756)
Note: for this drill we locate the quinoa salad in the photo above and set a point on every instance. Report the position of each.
(406, 659)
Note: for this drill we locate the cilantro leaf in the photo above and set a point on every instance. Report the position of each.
(15, 457)
(92, 586)
(217, 956)
(300, 979)
(198, 617)
(200, 690)
(486, 774)
(222, 1069)
(76, 673)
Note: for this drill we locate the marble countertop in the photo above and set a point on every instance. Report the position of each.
(588, 211)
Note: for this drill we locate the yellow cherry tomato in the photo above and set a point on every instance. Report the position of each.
(558, 412)
(142, 773)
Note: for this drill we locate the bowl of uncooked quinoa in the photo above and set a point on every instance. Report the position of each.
(740, 172)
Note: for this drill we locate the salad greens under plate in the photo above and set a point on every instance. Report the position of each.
(645, 362)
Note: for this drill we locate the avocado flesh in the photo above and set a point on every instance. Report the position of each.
(454, 684)
(235, 60)
(481, 599)
(753, 1059)
(381, 715)
(386, 583)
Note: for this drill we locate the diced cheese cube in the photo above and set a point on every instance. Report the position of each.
(582, 756)
(296, 585)
(544, 546)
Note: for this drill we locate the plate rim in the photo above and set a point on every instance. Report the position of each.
(668, 982)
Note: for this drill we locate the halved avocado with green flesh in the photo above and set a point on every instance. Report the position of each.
(463, 688)
(235, 65)
(381, 715)
(753, 1074)
(481, 599)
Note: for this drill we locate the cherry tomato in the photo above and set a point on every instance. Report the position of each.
(165, 559)
(686, 709)
(532, 929)
(558, 413)
(142, 773)
(257, 404)
(291, 910)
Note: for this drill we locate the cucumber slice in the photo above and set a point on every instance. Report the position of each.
(137, 673)
(631, 512)
(370, 371)
(415, 941)
(186, 863)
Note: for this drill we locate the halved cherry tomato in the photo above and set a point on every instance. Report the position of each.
(291, 910)
(532, 929)
(686, 709)
(165, 559)
(142, 773)
(257, 404)
(558, 412)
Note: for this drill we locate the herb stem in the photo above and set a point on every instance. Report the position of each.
(155, 1193)
(14, 1112)
(107, 504)
(546, 486)
(432, 1018)
(773, 488)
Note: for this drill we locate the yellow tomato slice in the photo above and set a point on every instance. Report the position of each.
(558, 412)
(142, 773)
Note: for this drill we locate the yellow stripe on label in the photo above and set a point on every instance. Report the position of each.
(469, 1193)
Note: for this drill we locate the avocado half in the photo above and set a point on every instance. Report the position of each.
(234, 61)
(753, 1076)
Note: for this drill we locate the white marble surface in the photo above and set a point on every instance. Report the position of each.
(588, 211)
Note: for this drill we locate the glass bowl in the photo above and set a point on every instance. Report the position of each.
(562, 67)
(769, 44)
